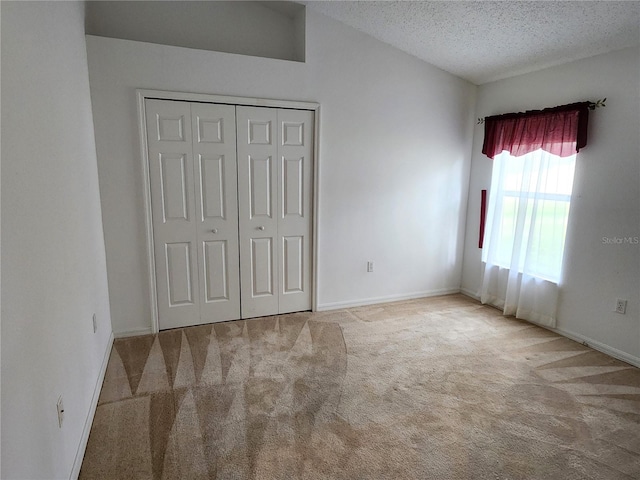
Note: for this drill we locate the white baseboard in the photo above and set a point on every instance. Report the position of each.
(133, 333)
(77, 463)
(386, 299)
(601, 347)
(470, 293)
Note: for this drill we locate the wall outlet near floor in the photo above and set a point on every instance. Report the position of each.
(369, 266)
(621, 306)
(60, 407)
(95, 324)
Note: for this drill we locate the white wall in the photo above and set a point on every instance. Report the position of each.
(606, 194)
(247, 28)
(53, 258)
(395, 145)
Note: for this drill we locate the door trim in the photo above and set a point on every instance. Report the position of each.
(142, 95)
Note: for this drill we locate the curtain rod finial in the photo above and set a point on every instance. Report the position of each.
(597, 104)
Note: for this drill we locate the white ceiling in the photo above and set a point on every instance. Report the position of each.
(483, 41)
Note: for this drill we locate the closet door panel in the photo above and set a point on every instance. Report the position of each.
(257, 205)
(214, 149)
(174, 212)
(295, 166)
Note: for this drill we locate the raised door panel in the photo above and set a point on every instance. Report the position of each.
(216, 271)
(179, 274)
(262, 278)
(260, 191)
(214, 147)
(293, 264)
(295, 166)
(174, 189)
(213, 187)
(293, 187)
(257, 206)
(173, 208)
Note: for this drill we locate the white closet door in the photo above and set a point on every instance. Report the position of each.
(192, 170)
(231, 194)
(174, 214)
(295, 156)
(214, 150)
(257, 210)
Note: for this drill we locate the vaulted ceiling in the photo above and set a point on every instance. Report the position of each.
(483, 41)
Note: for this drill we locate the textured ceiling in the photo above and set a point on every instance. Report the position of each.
(483, 41)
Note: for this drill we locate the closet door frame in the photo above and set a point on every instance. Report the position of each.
(143, 95)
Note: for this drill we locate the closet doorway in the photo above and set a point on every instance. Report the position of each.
(230, 199)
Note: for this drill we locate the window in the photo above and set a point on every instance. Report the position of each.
(534, 157)
(528, 212)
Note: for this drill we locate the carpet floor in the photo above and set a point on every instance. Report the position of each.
(438, 388)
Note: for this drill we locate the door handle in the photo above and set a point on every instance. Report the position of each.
(261, 228)
(215, 230)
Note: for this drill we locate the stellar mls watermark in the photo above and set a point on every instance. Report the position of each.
(620, 240)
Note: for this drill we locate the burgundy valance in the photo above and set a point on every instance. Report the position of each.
(560, 130)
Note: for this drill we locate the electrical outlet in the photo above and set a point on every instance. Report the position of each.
(60, 407)
(95, 324)
(369, 266)
(621, 306)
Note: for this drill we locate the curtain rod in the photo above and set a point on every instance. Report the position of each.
(592, 106)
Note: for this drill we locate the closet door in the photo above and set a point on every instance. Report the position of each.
(214, 150)
(192, 170)
(174, 214)
(295, 157)
(257, 210)
(231, 193)
(275, 155)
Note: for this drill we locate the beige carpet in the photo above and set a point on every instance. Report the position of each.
(439, 388)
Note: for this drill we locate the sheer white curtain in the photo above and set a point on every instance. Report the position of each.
(525, 232)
